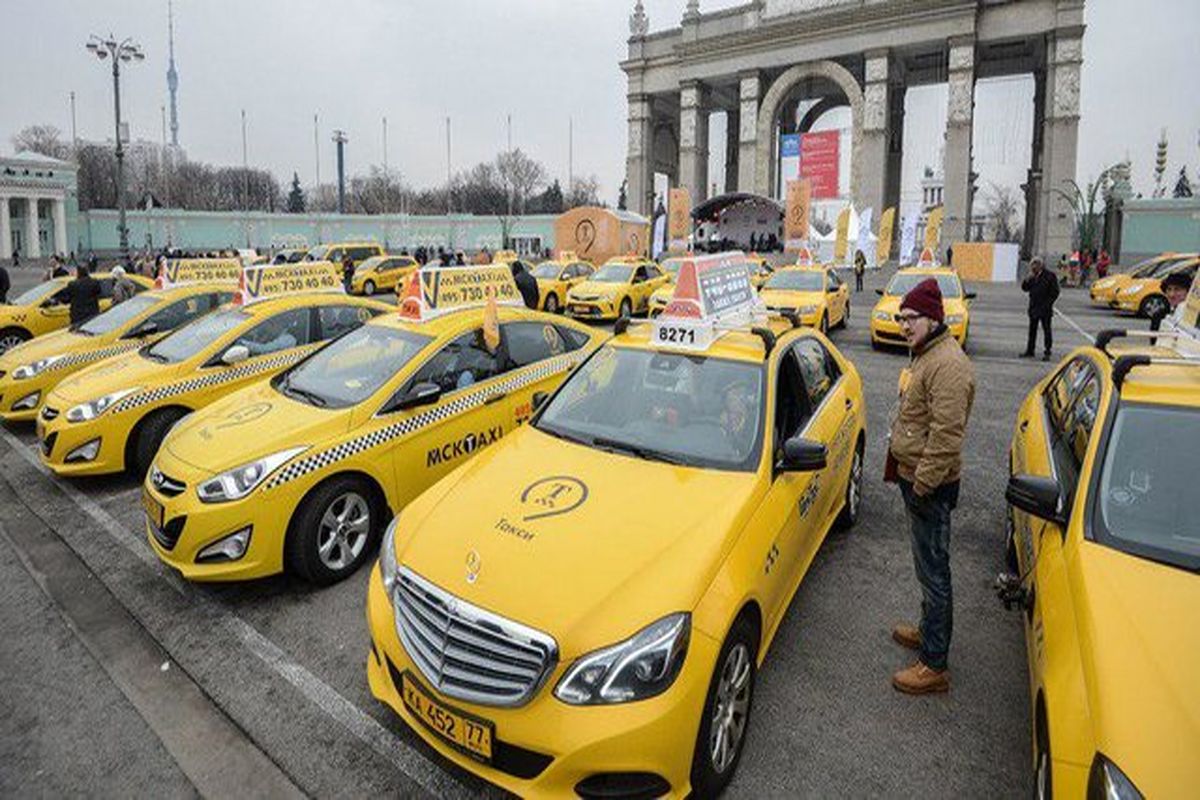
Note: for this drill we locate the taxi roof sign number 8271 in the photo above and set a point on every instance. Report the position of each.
(712, 293)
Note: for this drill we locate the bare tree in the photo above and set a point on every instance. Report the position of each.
(1004, 205)
(521, 175)
(583, 192)
(43, 139)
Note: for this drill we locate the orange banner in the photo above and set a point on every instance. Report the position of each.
(843, 234)
(679, 220)
(883, 248)
(799, 199)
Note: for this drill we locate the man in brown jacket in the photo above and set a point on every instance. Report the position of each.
(925, 448)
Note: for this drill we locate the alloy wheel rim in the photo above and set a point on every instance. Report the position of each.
(343, 531)
(552, 304)
(1043, 774)
(9, 342)
(855, 489)
(730, 709)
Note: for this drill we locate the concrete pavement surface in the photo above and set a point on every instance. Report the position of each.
(285, 663)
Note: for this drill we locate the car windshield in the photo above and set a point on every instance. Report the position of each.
(1144, 485)
(613, 273)
(796, 281)
(686, 409)
(547, 271)
(903, 283)
(188, 340)
(318, 253)
(118, 315)
(352, 368)
(672, 266)
(31, 296)
(1162, 269)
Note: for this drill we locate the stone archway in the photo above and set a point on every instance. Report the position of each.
(764, 172)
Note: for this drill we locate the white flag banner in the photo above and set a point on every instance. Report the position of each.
(659, 238)
(908, 238)
(864, 236)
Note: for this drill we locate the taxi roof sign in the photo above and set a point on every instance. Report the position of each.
(712, 293)
(267, 281)
(434, 291)
(179, 271)
(804, 257)
(927, 260)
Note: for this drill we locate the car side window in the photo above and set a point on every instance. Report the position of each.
(834, 280)
(640, 275)
(652, 271)
(583, 270)
(283, 331)
(818, 369)
(336, 320)
(791, 402)
(462, 362)
(335, 255)
(181, 311)
(530, 342)
(1073, 404)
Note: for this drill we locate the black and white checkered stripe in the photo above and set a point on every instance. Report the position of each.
(215, 379)
(465, 402)
(93, 355)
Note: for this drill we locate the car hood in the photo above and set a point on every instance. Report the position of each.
(251, 423)
(125, 371)
(584, 545)
(791, 298)
(1137, 624)
(50, 344)
(596, 287)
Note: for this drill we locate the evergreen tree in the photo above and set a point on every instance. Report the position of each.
(295, 200)
(1183, 187)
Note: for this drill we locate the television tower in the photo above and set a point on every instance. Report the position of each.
(172, 75)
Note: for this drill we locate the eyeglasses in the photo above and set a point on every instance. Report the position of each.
(907, 319)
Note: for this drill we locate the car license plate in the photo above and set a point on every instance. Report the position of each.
(470, 734)
(576, 309)
(154, 510)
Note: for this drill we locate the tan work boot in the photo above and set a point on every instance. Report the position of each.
(907, 635)
(920, 679)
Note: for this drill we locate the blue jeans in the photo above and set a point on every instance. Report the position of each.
(929, 522)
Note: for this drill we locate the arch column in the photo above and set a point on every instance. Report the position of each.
(764, 162)
(749, 89)
(5, 230)
(59, 213)
(960, 121)
(693, 141)
(872, 158)
(639, 156)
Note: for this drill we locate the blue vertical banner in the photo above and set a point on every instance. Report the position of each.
(789, 145)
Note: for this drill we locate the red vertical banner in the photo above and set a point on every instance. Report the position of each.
(819, 162)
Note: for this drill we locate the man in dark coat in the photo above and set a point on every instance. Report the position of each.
(1042, 287)
(526, 284)
(84, 295)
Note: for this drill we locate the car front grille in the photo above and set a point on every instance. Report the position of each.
(166, 485)
(467, 652)
(49, 414)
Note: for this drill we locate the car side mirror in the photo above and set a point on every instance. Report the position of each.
(235, 355)
(143, 330)
(970, 295)
(423, 394)
(539, 399)
(803, 455)
(832, 289)
(1038, 496)
(879, 292)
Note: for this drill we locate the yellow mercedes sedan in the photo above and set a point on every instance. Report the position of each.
(586, 603)
(44, 308)
(1104, 558)
(29, 371)
(113, 415)
(885, 330)
(556, 278)
(301, 473)
(815, 294)
(620, 288)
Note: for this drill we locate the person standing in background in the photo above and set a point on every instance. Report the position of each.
(1042, 288)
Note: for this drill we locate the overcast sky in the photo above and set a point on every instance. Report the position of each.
(542, 61)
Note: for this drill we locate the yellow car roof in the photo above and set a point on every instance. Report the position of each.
(926, 271)
(803, 268)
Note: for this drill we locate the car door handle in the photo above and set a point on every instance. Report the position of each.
(495, 398)
(849, 403)
(1024, 425)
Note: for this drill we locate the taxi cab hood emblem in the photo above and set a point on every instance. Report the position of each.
(474, 564)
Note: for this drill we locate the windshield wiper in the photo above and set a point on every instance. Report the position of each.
(285, 386)
(153, 356)
(644, 453)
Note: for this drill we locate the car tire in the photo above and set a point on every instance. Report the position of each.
(876, 346)
(853, 496)
(369, 288)
(1043, 774)
(11, 337)
(149, 437)
(334, 531)
(825, 323)
(626, 308)
(730, 695)
(551, 303)
(1153, 306)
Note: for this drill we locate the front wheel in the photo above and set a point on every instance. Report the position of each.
(552, 304)
(11, 337)
(149, 437)
(369, 288)
(334, 531)
(726, 716)
(1154, 306)
(853, 499)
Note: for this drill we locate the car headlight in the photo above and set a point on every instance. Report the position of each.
(27, 402)
(240, 481)
(954, 319)
(807, 310)
(1134, 289)
(27, 371)
(642, 666)
(94, 408)
(1106, 782)
(882, 316)
(387, 559)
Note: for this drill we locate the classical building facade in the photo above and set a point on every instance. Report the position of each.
(38, 205)
(758, 62)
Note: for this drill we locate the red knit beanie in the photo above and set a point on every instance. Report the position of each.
(926, 299)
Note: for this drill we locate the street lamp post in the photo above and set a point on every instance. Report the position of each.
(127, 51)
(340, 139)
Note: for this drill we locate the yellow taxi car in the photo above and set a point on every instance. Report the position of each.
(1144, 296)
(620, 288)
(885, 330)
(29, 371)
(585, 604)
(556, 277)
(662, 295)
(113, 415)
(302, 473)
(1104, 291)
(1104, 553)
(334, 252)
(763, 270)
(382, 273)
(815, 294)
(44, 308)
